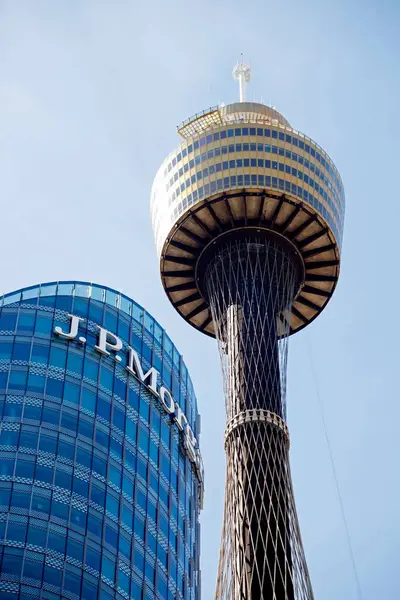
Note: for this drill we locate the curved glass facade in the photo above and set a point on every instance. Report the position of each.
(224, 158)
(99, 493)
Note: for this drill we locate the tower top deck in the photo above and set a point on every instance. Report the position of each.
(230, 114)
(242, 167)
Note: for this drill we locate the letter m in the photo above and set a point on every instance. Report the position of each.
(135, 368)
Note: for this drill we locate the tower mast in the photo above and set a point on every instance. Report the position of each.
(242, 74)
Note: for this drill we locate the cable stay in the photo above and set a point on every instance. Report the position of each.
(334, 471)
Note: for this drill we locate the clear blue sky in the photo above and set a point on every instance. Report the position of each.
(90, 94)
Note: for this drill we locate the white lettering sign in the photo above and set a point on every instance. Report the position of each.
(108, 344)
(108, 341)
(135, 368)
(73, 332)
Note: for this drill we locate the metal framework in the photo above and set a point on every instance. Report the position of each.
(198, 228)
(251, 283)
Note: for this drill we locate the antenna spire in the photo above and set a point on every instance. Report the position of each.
(242, 73)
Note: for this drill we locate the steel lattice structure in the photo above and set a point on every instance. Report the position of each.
(249, 253)
(249, 283)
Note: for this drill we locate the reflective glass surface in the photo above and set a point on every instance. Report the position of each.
(276, 158)
(98, 498)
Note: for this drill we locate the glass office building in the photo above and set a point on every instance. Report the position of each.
(100, 473)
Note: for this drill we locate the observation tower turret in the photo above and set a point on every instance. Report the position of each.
(248, 217)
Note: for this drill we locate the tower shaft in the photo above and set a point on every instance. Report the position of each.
(259, 562)
(250, 284)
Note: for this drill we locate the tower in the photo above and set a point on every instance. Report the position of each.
(248, 217)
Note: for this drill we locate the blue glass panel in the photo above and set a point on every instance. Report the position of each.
(40, 353)
(69, 421)
(103, 408)
(6, 349)
(138, 560)
(75, 362)
(11, 409)
(108, 567)
(12, 561)
(133, 399)
(37, 535)
(58, 357)
(97, 493)
(43, 325)
(17, 380)
(40, 503)
(75, 548)
(102, 438)
(78, 518)
(36, 383)
(81, 307)
(91, 369)
(56, 541)
(26, 322)
(8, 321)
(34, 568)
(16, 531)
(21, 351)
(53, 576)
(89, 588)
(71, 393)
(123, 582)
(24, 467)
(5, 495)
(72, 581)
(92, 558)
(89, 399)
